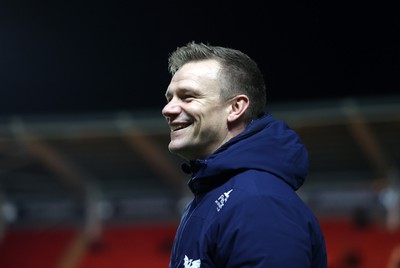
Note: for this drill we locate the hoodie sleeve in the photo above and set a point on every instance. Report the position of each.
(261, 231)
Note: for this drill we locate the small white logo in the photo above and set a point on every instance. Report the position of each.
(190, 263)
(222, 200)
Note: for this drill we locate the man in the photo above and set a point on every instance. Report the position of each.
(245, 166)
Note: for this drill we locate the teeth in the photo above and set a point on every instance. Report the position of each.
(177, 127)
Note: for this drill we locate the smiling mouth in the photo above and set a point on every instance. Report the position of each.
(179, 127)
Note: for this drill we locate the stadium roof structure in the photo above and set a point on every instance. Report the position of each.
(115, 167)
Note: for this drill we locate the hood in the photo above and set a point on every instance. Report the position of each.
(266, 145)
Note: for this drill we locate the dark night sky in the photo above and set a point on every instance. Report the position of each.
(101, 56)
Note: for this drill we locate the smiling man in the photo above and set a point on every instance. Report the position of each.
(197, 114)
(245, 167)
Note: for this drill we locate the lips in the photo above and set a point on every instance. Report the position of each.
(176, 127)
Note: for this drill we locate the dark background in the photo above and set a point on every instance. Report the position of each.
(103, 56)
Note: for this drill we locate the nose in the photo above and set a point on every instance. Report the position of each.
(171, 110)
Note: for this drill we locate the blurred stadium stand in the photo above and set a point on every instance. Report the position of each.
(90, 173)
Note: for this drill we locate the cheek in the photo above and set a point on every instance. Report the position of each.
(215, 124)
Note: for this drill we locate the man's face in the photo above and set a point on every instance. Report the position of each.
(195, 113)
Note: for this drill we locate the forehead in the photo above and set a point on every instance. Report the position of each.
(205, 68)
(195, 74)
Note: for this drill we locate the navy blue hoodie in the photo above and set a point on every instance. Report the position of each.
(245, 211)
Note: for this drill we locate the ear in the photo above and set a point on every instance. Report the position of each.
(238, 106)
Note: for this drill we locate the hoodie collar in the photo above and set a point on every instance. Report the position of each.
(266, 144)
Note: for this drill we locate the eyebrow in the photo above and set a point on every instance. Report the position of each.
(182, 90)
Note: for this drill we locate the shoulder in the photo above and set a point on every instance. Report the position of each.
(256, 183)
(256, 196)
(266, 224)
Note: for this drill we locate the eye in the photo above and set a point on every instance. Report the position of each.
(187, 97)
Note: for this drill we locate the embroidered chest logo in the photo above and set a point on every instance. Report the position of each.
(222, 200)
(190, 263)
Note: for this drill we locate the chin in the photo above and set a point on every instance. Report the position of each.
(175, 149)
(179, 151)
